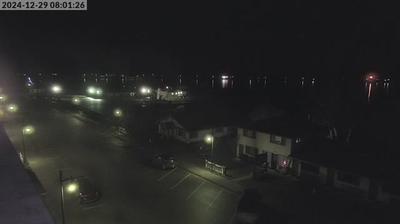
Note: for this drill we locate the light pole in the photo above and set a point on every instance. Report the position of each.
(71, 188)
(209, 139)
(118, 116)
(27, 130)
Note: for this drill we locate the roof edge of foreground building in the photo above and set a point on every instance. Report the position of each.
(20, 201)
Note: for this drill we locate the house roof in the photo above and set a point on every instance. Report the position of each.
(283, 126)
(196, 117)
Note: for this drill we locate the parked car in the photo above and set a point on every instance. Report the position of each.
(87, 191)
(163, 161)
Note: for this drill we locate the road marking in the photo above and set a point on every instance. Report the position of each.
(166, 175)
(195, 190)
(216, 197)
(179, 182)
(248, 176)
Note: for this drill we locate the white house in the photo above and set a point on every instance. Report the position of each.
(277, 138)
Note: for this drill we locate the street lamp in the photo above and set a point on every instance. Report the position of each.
(118, 112)
(3, 98)
(76, 100)
(56, 89)
(12, 108)
(209, 139)
(99, 92)
(71, 187)
(27, 130)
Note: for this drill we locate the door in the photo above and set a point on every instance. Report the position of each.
(274, 161)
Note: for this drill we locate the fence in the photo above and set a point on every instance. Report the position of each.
(219, 169)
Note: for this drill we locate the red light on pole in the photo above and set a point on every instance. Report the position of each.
(371, 77)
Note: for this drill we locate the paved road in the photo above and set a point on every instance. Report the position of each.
(132, 191)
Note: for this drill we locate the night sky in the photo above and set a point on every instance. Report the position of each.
(205, 37)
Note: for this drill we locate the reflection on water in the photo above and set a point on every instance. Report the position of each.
(224, 83)
(375, 88)
(369, 91)
(265, 81)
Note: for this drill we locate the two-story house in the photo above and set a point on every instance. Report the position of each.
(275, 138)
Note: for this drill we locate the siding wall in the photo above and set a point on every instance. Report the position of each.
(263, 144)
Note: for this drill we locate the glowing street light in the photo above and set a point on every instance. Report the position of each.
(209, 139)
(76, 100)
(3, 98)
(12, 108)
(71, 187)
(28, 130)
(56, 89)
(118, 113)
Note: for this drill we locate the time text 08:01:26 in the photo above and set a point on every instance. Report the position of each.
(43, 4)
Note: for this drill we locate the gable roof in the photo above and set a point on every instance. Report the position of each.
(283, 126)
(196, 117)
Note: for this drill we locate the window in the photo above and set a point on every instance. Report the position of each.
(251, 150)
(277, 139)
(249, 133)
(310, 168)
(193, 134)
(181, 133)
(348, 178)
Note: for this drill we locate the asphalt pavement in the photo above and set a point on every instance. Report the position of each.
(133, 191)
